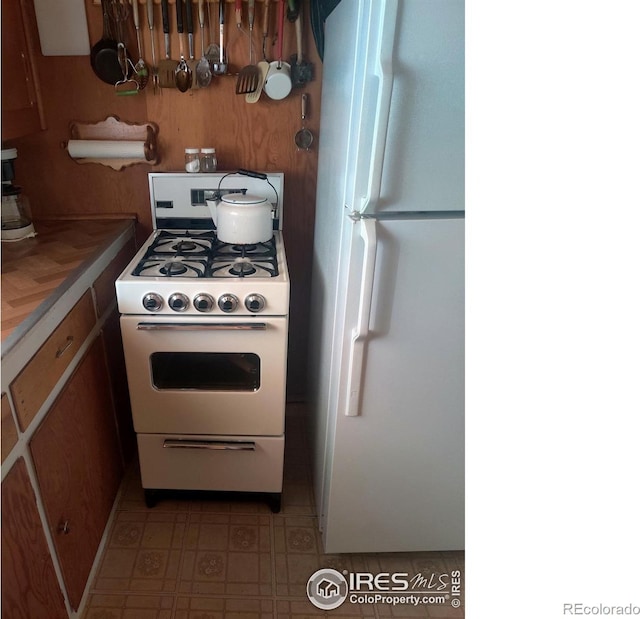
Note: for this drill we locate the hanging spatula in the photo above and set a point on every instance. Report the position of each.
(249, 76)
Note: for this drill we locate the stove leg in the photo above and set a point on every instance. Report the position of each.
(274, 500)
(150, 498)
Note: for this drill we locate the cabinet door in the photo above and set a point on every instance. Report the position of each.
(21, 107)
(79, 468)
(29, 585)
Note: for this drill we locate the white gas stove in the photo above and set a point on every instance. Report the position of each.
(205, 328)
(182, 269)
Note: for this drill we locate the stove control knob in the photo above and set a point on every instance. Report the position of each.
(255, 303)
(203, 302)
(152, 302)
(178, 302)
(228, 303)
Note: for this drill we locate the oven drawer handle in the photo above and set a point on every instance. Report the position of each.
(173, 326)
(217, 445)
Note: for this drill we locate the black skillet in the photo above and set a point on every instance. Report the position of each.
(104, 54)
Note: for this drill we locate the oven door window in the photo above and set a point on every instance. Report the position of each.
(205, 371)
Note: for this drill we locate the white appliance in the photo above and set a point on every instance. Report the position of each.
(387, 334)
(205, 328)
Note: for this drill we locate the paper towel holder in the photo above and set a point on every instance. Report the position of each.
(112, 129)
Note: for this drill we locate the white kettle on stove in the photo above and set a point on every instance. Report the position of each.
(242, 219)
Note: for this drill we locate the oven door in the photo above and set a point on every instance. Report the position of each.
(212, 376)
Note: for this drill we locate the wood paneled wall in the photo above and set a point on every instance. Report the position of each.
(256, 136)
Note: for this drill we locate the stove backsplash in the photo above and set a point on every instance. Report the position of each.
(178, 200)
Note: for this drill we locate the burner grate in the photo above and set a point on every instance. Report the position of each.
(184, 244)
(265, 251)
(199, 254)
(243, 268)
(155, 266)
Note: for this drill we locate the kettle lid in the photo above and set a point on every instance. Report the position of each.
(243, 198)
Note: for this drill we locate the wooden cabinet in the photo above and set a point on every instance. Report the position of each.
(29, 585)
(119, 386)
(8, 430)
(73, 423)
(104, 287)
(21, 101)
(77, 459)
(105, 293)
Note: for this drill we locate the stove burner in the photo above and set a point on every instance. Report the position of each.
(244, 249)
(173, 268)
(242, 269)
(185, 246)
(160, 266)
(264, 251)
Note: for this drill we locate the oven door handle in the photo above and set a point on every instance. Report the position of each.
(201, 326)
(204, 444)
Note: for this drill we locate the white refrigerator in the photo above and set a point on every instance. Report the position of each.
(387, 324)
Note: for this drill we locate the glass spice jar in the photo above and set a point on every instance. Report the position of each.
(191, 160)
(208, 160)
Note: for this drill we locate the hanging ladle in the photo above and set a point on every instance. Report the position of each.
(183, 72)
(304, 137)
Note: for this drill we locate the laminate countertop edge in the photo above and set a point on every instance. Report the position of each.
(71, 289)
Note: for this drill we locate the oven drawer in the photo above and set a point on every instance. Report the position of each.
(228, 463)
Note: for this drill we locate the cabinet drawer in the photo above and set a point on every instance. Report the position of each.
(36, 381)
(174, 462)
(104, 286)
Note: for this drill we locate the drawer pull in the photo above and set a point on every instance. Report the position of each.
(64, 528)
(216, 445)
(199, 326)
(62, 350)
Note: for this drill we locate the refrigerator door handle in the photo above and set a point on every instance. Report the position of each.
(383, 70)
(361, 331)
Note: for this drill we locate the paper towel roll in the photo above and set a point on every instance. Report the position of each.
(108, 149)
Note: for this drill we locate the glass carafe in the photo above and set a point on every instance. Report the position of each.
(16, 220)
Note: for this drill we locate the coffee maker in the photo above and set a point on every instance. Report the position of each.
(16, 221)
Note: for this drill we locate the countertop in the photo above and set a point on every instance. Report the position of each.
(37, 272)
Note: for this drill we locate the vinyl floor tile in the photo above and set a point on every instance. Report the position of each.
(129, 607)
(218, 608)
